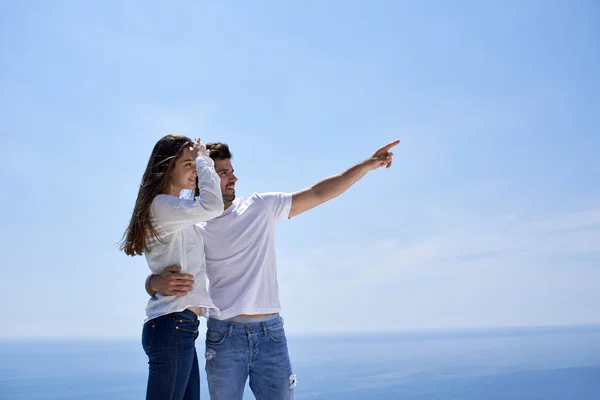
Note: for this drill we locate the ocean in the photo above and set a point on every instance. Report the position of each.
(522, 364)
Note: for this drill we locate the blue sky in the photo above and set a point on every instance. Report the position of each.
(490, 216)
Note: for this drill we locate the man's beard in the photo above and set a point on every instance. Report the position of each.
(228, 198)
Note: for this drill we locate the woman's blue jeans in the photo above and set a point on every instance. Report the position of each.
(169, 342)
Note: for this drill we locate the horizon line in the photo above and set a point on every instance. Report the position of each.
(423, 332)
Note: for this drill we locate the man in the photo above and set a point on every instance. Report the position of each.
(247, 339)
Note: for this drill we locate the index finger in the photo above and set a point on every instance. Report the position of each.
(185, 277)
(390, 145)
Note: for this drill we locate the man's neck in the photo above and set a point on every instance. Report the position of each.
(227, 204)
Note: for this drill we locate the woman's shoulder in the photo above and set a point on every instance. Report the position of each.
(164, 200)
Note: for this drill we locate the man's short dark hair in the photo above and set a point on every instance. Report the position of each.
(219, 151)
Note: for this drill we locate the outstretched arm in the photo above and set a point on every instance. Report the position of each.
(335, 185)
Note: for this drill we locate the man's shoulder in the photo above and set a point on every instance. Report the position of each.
(257, 196)
(269, 196)
(239, 205)
(252, 201)
(254, 206)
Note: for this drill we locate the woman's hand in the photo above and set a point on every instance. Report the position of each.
(199, 149)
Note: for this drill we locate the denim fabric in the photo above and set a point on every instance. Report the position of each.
(236, 351)
(168, 341)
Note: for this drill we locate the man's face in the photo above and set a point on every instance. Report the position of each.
(228, 179)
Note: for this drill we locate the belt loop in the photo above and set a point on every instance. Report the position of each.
(229, 330)
(264, 326)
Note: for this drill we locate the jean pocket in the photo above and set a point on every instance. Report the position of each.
(277, 335)
(148, 335)
(187, 325)
(215, 337)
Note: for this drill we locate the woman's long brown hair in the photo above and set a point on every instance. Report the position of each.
(154, 182)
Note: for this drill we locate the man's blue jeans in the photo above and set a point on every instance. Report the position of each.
(168, 341)
(236, 351)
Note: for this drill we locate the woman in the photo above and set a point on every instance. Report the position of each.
(162, 228)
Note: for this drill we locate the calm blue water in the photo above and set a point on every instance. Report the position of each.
(516, 365)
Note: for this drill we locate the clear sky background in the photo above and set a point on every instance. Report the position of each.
(489, 217)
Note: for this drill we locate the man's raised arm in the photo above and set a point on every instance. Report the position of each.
(335, 185)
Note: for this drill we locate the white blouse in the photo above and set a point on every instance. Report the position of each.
(174, 219)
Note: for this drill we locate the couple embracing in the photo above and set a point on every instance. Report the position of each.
(230, 241)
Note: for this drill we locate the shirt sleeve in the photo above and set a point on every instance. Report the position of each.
(173, 213)
(278, 203)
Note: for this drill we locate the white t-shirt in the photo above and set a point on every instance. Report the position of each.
(240, 255)
(174, 219)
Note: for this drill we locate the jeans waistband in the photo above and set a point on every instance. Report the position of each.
(247, 320)
(229, 327)
(187, 314)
